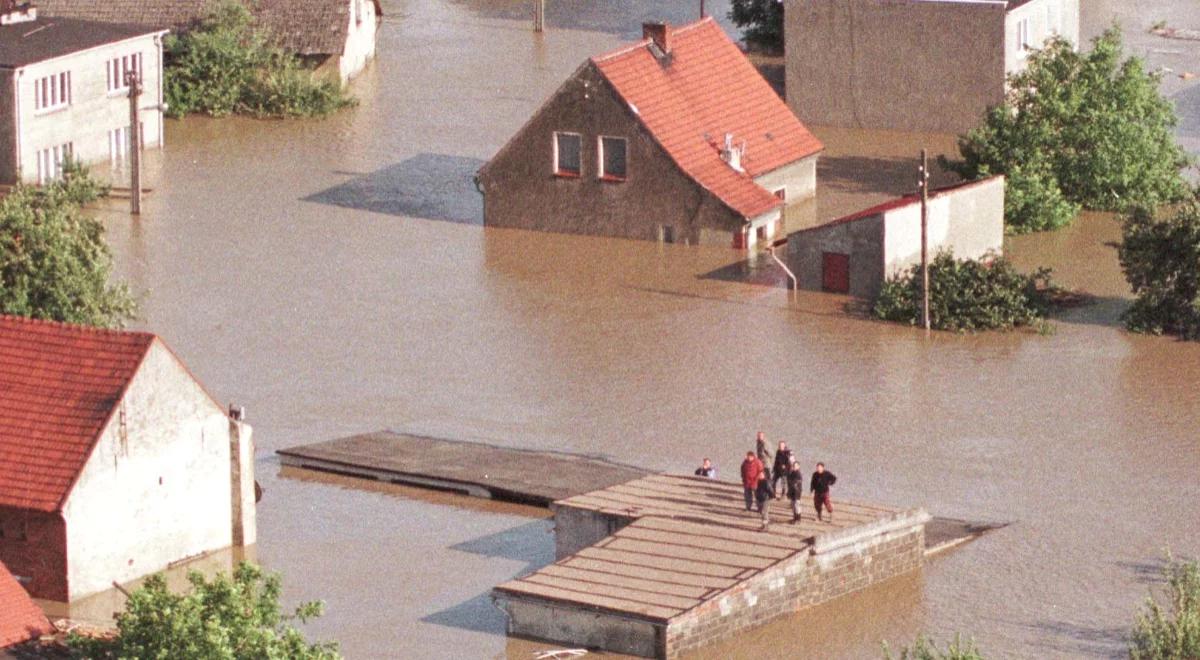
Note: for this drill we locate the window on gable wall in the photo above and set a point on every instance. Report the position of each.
(568, 148)
(613, 154)
(1023, 35)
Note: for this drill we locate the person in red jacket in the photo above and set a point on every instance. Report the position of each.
(751, 470)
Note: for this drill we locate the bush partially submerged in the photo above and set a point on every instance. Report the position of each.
(967, 295)
(925, 649)
(236, 618)
(228, 65)
(1170, 630)
(1160, 255)
(54, 261)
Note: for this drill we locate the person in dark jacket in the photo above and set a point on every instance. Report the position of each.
(822, 479)
(760, 448)
(707, 470)
(783, 463)
(751, 471)
(795, 488)
(764, 494)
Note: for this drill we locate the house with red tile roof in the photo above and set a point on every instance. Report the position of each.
(674, 138)
(912, 65)
(114, 461)
(20, 619)
(854, 254)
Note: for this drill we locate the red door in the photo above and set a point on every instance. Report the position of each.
(835, 272)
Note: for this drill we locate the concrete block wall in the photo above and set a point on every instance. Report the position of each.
(837, 564)
(576, 529)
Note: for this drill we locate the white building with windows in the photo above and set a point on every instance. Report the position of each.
(63, 91)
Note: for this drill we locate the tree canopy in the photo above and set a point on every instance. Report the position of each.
(229, 65)
(54, 262)
(1160, 255)
(1077, 130)
(225, 618)
(761, 22)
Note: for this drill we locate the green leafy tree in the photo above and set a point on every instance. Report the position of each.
(761, 22)
(1171, 630)
(925, 649)
(1077, 129)
(228, 65)
(54, 262)
(1160, 255)
(966, 295)
(225, 618)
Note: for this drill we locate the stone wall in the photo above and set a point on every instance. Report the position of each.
(861, 240)
(837, 564)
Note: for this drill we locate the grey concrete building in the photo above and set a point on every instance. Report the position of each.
(913, 65)
(854, 254)
(63, 93)
(674, 138)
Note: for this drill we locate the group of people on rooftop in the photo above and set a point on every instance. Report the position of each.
(761, 483)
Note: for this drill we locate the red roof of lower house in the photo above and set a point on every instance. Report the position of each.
(59, 386)
(20, 619)
(701, 90)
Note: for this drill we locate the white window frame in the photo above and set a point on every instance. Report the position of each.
(52, 92)
(115, 69)
(558, 171)
(1023, 35)
(50, 161)
(600, 172)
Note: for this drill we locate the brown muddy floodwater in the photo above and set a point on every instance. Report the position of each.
(333, 277)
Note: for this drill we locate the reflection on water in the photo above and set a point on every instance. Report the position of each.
(264, 267)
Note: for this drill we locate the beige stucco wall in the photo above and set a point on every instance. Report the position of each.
(157, 487)
(1046, 18)
(360, 39)
(914, 65)
(968, 220)
(93, 110)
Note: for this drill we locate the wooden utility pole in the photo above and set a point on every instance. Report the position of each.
(134, 81)
(539, 15)
(702, 14)
(923, 186)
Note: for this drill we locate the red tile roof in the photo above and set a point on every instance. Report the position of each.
(20, 619)
(59, 385)
(705, 89)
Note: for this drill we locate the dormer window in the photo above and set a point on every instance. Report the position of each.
(568, 149)
(613, 154)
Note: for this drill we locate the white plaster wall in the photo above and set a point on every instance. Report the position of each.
(360, 39)
(798, 178)
(968, 220)
(93, 111)
(1046, 18)
(160, 495)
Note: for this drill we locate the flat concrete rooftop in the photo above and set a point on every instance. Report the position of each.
(685, 540)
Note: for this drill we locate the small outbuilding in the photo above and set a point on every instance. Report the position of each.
(854, 254)
(63, 91)
(912, 65)
(114, 461)
(675, 138)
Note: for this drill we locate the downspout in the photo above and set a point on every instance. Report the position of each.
(790, 274)
(162, 81)
(17, 74)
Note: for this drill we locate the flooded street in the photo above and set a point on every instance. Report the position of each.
(334, 278)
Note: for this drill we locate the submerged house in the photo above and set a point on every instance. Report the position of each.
(856, 253)
(20, 619)
(114, 462)
(674, 138)
(335, 35)
(913, 65)
(63, 93)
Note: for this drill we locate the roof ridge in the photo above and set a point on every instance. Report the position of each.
(643, 42)
(74, 327)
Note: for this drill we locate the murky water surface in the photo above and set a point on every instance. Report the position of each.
(333, 278)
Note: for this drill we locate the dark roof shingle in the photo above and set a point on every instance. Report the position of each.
(47, 38)
(59, 385)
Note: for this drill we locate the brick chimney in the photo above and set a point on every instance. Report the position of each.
(16, 11)
(657, 32)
